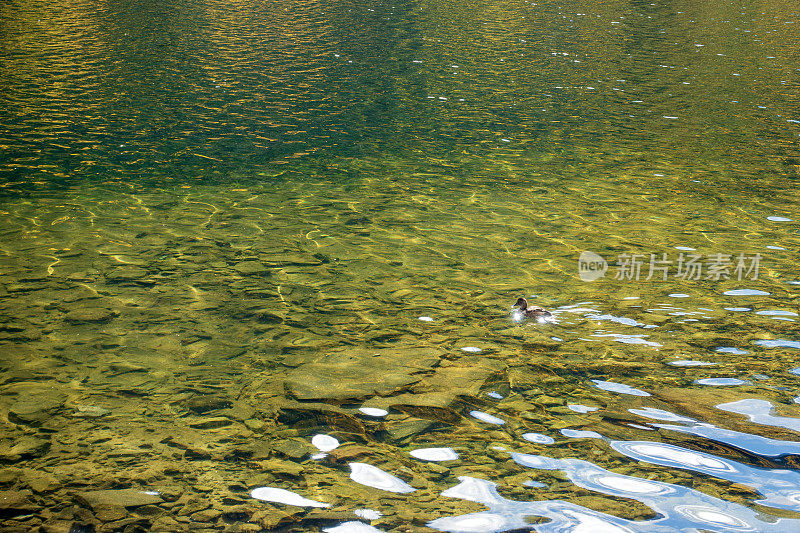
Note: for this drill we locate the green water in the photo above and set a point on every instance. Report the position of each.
(227, 226)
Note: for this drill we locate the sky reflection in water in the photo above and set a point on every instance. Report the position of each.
(676, 507)
(756, 444)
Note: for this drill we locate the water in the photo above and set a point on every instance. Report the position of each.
(258, 255)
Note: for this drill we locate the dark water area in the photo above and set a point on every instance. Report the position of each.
(159, 92)
(258, 261)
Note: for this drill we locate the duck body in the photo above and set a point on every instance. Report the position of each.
(533, 311)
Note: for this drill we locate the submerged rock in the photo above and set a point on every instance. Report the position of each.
(13, 503)
(319, 381)
(281, 468)
(33, 412)
(124, 367)
(206, 515)
(90, 315)
(9, 475)
(432, 406)
(40, 481)
(465, 376)
(348, 453)
(90, 411)
(121, 497)
(126, 273)
(211, 422)
(249, 268)
(109, 513)
(330, 416)
(203, 403)
(294, 449)
(25, 447)
(409, 428)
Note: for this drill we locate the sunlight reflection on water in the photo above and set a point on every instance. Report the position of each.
(249, 250)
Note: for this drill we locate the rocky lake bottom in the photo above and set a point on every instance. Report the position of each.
(238, 359)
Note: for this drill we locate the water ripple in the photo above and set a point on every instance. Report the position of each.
(372, 476)
(680, 507)
(780, 488)
(760, 412)
(756, 444)
(677, 507)
(618, 387)
(778, 343)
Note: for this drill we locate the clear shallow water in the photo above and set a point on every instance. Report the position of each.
(220, 238)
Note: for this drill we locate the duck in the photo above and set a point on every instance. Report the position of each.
(534, 311)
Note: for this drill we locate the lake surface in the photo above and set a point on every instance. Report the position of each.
(258, 262)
